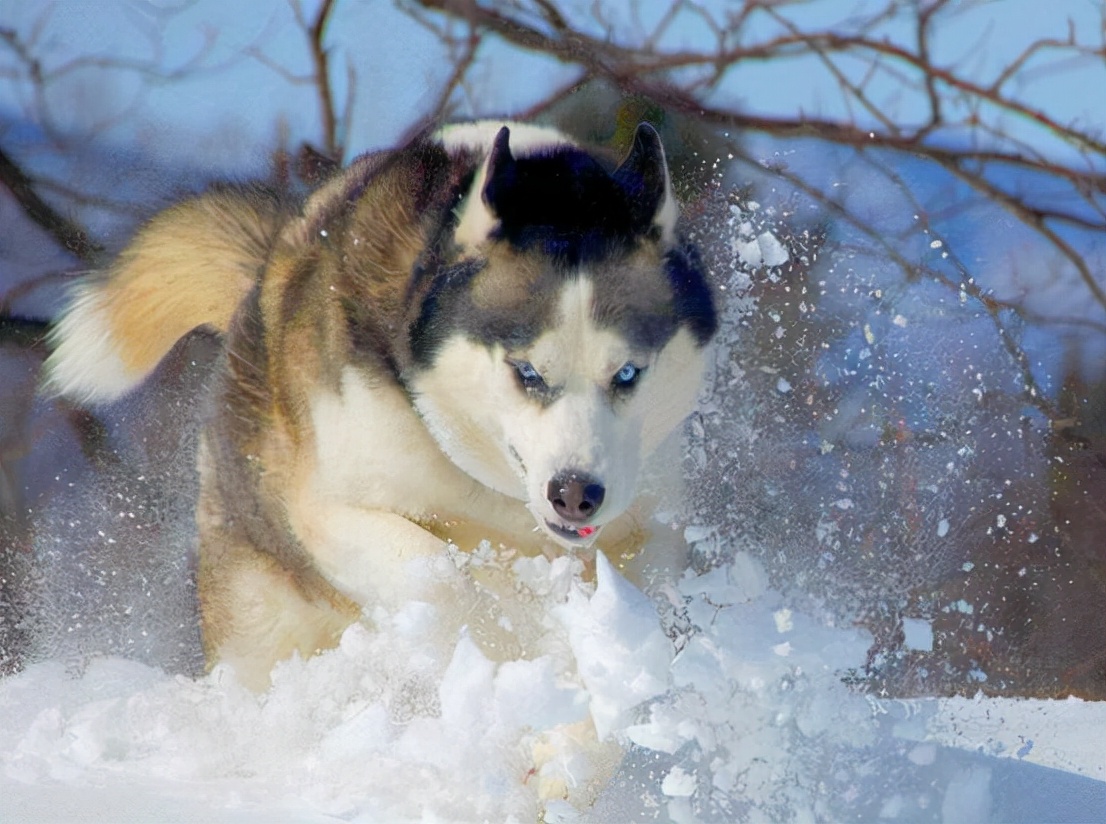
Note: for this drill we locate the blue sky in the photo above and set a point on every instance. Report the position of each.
(226, 113)
(229, 109)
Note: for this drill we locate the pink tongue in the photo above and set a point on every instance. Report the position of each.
(585, 531)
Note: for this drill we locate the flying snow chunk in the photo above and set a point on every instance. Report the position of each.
(763, 250)
(622, 653)
(679, 783)
(784, 620)
(917, 634)
(772, 251)
(748, 252)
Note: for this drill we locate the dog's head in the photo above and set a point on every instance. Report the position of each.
(565, 341)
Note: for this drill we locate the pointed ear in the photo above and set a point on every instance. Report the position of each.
(643, 175)
(500, 174)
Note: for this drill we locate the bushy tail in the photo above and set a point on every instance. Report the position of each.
(188, 267)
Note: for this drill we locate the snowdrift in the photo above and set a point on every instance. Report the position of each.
(727, 705)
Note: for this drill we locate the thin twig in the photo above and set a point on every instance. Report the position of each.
(69, 235)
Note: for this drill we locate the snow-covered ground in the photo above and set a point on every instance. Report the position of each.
(727, 706)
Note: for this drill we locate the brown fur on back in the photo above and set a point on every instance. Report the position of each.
(214, 246)
(332, 294)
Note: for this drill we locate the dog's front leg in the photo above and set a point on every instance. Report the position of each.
(375, 557)
(259, 607)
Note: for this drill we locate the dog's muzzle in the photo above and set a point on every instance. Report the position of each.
(576, 497)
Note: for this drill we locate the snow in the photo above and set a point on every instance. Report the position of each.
(689, 689)
(622, 654)
(917, 634)
(1065, 735)
(752, 248)
(760, 250)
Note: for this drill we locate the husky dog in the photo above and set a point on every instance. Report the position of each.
(480, 334)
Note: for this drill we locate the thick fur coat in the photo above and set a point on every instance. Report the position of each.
(482, 334)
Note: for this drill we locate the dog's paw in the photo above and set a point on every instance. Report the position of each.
(571, 767)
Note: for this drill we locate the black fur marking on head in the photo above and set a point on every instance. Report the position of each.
(648, 331)
(693, 300)
(430, 328)
(562, 209)
(643, 175)
(562, 201)
(440, 237)
(456, 304)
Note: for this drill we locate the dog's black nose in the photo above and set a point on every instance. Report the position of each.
(576, 496)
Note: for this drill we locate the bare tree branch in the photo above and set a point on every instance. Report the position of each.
(461, 65)
(69, 235)
(320, 57)
(40, 74)
(652, 72)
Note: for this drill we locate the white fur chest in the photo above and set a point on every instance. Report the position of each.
(372, 451)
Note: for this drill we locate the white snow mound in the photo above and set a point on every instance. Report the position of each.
(725, 705)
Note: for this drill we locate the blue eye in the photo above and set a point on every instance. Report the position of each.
(528, 375)
(626, 376)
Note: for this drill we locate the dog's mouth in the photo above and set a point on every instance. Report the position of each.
(581, 535)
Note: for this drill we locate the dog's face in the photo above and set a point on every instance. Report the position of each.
(562, 421)
(550, 364)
